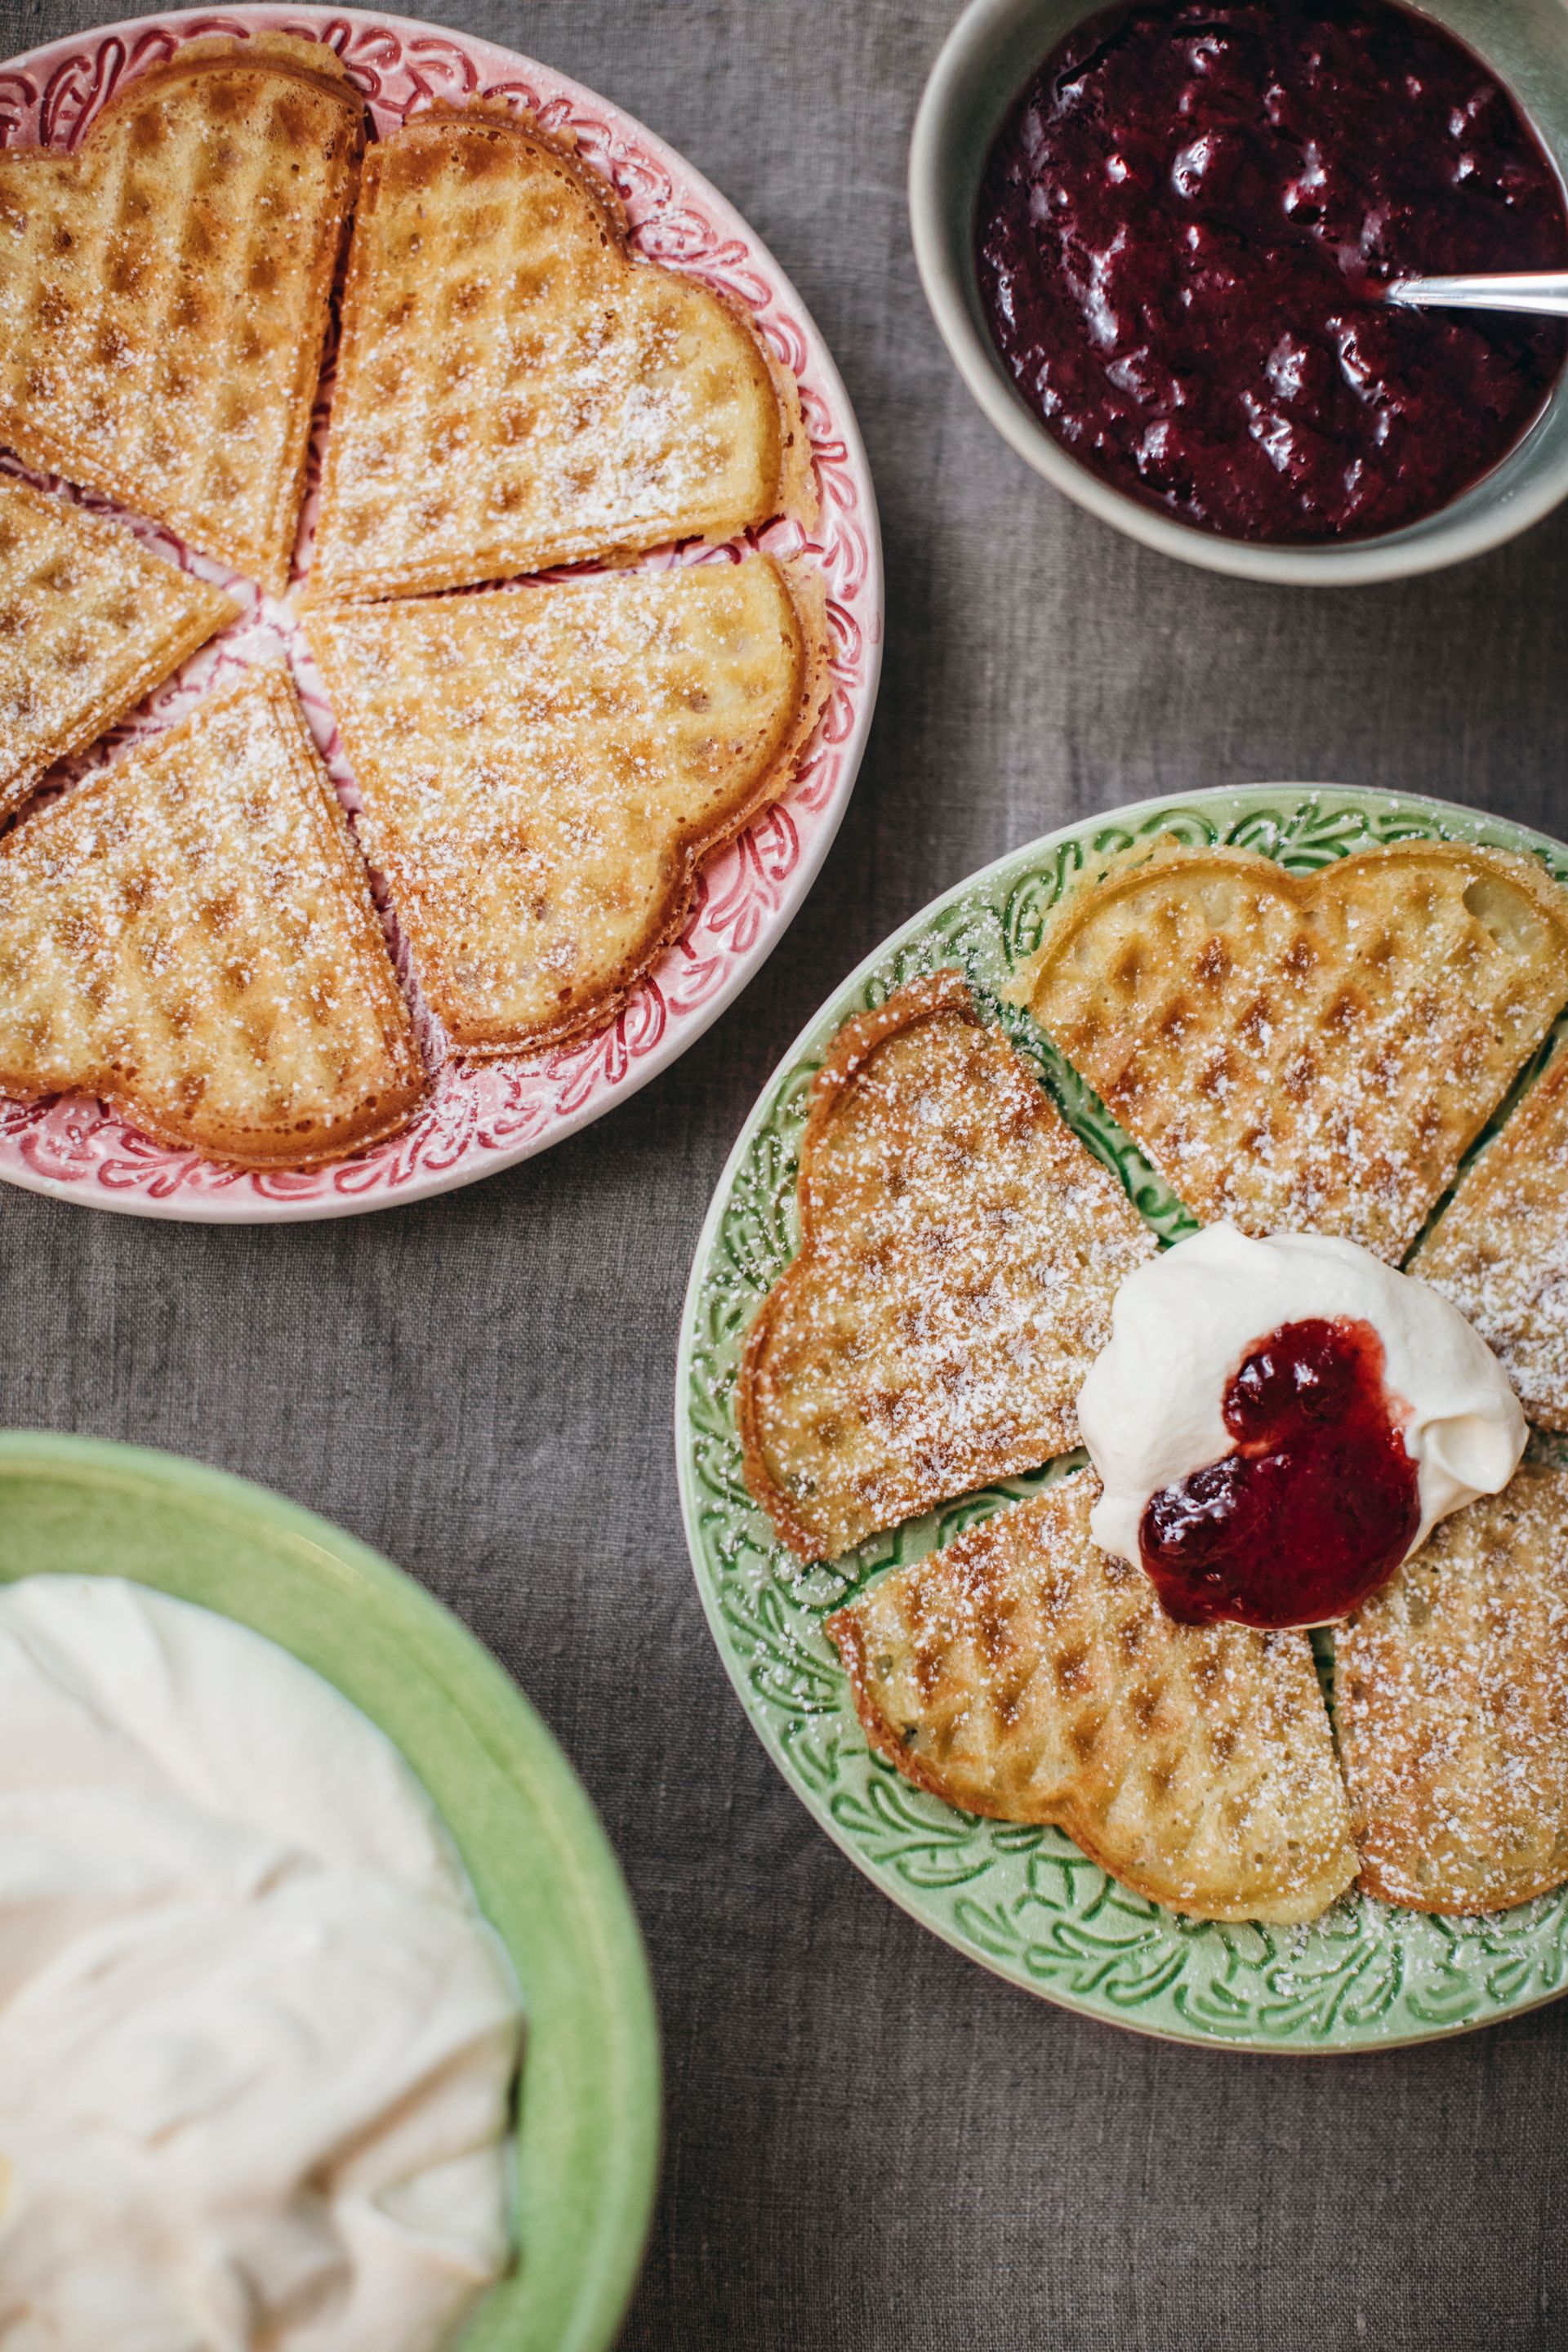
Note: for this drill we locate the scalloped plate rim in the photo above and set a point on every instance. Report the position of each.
(828, 1018)
(477, 1162)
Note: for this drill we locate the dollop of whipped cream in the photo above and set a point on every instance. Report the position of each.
(255, 2042)
(1181, 1326)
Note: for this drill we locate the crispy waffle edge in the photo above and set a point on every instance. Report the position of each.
(1128, 870)
(858, 1040)
(807, 591)
(845, 1630)
(290, 57)
(852, 1049)
(412, 1086)
(798, 498)
(807, 595)
(211, 609)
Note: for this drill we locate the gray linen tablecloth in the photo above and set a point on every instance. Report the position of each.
(871, 2143)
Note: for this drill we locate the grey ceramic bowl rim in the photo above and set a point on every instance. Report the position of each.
(1397, 557)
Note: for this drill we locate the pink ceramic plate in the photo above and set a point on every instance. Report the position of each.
(480, 1119)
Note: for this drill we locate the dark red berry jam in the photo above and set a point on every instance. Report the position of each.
(1314, 1510)
(1181, 233)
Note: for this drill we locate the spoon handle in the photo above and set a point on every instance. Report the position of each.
(1542, 293)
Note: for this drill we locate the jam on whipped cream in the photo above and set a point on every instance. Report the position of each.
(1182, 233)
(1278, 1424)
(1316, 1505)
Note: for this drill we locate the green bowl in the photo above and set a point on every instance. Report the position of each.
(1025, 1901)
(588, 2133)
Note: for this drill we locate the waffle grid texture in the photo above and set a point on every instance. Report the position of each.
(515, 389)
(189, 935)
(1353, 1029)
(1451, 1699)
(90, 623)
(530, 391)
(1313, 1051)
(163, 291)
(959, 1253)
(1500, 1250)
(544, 770)
(1021, 1671)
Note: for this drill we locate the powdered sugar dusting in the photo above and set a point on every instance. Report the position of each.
(1309, 1054)
(1500, 1250)
(480, 1117)
(540, 767)
(88, 623)
(513, 390)
(1022, 1671)
(164, 299)
(190, 932)
(1452, 1702)
(959, 1254)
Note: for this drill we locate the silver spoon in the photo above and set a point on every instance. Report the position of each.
(1541, 293)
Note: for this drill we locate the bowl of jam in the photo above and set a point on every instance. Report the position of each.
(1157, 237)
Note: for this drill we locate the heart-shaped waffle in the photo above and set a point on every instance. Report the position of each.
(163, 291)
(1451, 1699)
(189, 934)
(1307, 1052)
(542, 770)
(959, 1253)
(515, 389)
(1022, 1672)
(89, 624)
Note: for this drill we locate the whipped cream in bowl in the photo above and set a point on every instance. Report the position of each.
(256, 2041)
(1278, 1423)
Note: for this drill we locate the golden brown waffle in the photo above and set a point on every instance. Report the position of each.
(1500, 1250)
(1023, 1674)
(544, 770)
(163, 291)
(89, 624)
(189, 935)
(959, 1253)
(1451, 1698)
(1307, 1052)
(515, 391)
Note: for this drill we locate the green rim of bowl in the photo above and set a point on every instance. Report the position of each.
(1022, 1901)
(588, 2121)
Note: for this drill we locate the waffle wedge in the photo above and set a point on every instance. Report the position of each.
(1023, 1674)
(89, 624)
(544, 770)
(958, 1256)
(190, 936)
(515, 389)
(1500, 1250)
(163, 291)
(1307, 1051)
(1451, 1698)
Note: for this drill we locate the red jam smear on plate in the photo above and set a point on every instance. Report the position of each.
(1181, 233)
(1316, 1506)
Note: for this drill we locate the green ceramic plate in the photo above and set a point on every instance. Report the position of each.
(587, 2138)
(1025, 1901)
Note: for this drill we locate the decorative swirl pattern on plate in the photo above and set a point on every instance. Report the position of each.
(1025, 1901)
(481, 1120)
